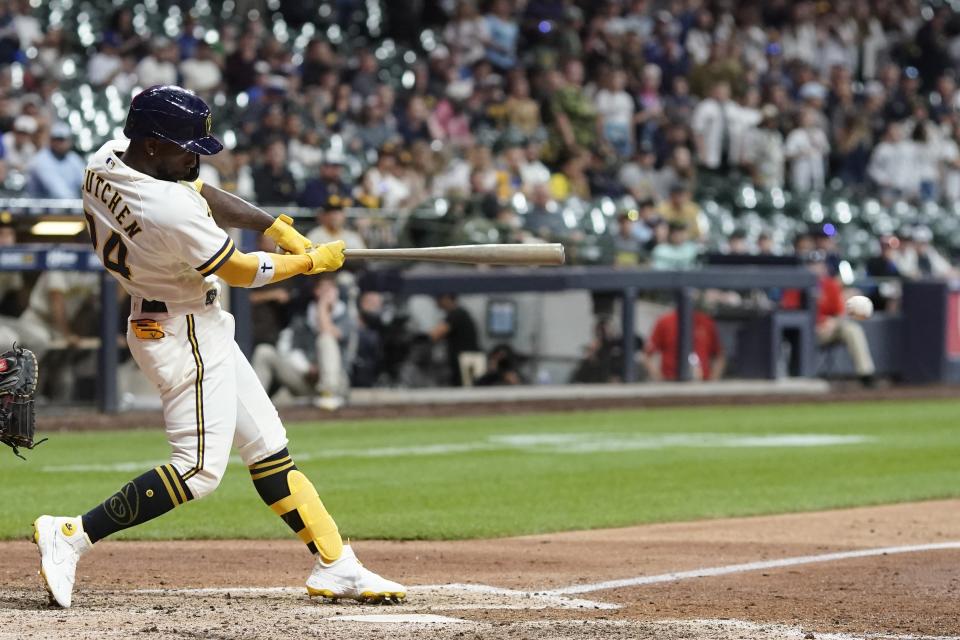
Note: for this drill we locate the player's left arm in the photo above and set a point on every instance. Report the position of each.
(256, 269)
(232, 211)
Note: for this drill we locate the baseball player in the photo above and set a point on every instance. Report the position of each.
(159, 231)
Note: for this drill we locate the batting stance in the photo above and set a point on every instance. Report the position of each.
(160, 232)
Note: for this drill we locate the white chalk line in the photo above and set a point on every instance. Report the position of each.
(536, 443)
(750, 566)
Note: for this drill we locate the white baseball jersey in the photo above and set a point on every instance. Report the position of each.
(156, 237)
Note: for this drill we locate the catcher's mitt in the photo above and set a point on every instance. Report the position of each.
(18, 383)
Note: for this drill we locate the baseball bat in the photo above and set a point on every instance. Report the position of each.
(503, 254)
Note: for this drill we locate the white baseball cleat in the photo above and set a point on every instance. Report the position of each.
(61, 542)
(347, 578)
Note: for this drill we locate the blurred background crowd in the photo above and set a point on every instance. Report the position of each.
(636, 132)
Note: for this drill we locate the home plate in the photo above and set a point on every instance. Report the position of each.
(404, 618)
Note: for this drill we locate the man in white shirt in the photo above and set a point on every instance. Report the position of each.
(806, 149)
(160, 67)
(890, 163)
(711, 127)
(201, 73)
(616, 109)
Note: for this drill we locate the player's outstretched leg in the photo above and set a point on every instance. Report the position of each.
(62, 540)
(337, 572)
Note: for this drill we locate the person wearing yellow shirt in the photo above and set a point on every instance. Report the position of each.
(680, 209)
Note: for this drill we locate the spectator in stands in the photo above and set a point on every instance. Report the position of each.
(368, 362)
(457, 331)
(640, 176)
(925, 160)
(384, 183)
(121, 33)
(832, 324)
(467, 34)
(309, 357)
(203, 72)
(603, 357)
(272, 180)
(615, 112)
(319, 59)
(522, 112)
(707, 359)
(885, 270)
(852, 149)
(737, 243)
(502, 368)
(890, 163)
(677, 253)
(57, 171)
(627, 247)
(573, 113)
(378, 125)
(160, 65)
(544, 219)
(503, 31)
(317, 191)
(678, 168)
(919, 259)
(764, 152)
(104, 65)
(413, 124)
(647, 225)
(240, 68)
(679, 208)
(766, 245)
(18, 146)
(572, 180)
(331, 224)
(806, 148)
(711, 127)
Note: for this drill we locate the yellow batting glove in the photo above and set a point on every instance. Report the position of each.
(326, 257)
(286, 237)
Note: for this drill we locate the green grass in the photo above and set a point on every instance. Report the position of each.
(491, 488)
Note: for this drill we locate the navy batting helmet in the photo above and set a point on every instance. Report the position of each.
(172, 114)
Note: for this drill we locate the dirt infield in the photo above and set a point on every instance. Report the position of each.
(893, 572)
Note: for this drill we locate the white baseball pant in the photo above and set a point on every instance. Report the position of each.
(211, 396)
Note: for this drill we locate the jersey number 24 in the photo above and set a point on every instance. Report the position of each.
(114, 250)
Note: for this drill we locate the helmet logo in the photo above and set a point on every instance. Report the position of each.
(209, 124)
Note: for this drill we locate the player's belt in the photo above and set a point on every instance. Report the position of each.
(153, 306)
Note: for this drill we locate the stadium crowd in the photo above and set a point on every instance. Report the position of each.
(509, 111)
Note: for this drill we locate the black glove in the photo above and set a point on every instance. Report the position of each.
(18, 383)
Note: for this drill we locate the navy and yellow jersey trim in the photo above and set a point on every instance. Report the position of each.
(178, 491)
(198, 388)
(218, 259)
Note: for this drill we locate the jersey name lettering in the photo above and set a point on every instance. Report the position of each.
(109, 196)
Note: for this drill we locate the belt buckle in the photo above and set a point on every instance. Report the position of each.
(147, 329)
